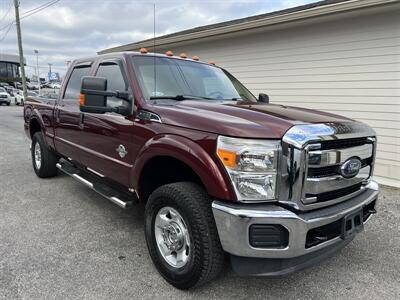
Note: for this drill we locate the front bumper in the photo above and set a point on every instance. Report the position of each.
(234, 221)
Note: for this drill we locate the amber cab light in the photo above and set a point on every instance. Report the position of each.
(169, 53)
(143, 50)
(196, 58)
(211, 62)
(183, 55)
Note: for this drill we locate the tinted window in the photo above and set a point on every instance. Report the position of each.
(159, 76)
(74, 83)
(115, 82)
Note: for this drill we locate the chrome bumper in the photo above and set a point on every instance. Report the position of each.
(233, 222)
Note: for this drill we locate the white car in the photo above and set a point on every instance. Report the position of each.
(5, 97)
(32, 85)
(18, 97)
(55, 85)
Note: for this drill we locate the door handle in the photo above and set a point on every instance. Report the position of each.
(81, 120)
(58, 115)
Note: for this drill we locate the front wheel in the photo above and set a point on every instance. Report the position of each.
(43, 159)
(181, 235)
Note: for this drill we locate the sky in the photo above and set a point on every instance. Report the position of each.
(71, 29)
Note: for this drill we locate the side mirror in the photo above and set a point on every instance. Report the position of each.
(93, 97)
(264, 98)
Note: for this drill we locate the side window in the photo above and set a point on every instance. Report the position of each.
(74, 83)
(115, 82)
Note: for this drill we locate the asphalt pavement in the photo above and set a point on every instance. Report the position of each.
(60, 240)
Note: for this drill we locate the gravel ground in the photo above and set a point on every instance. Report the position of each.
(60, 240)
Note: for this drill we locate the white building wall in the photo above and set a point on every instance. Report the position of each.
(348, 66)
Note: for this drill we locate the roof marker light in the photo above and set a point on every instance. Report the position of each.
(211, 62)
(183, 55)
(196, 58)
(143, 50)
(169, 53)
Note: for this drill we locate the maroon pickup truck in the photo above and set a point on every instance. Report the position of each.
(222, 174)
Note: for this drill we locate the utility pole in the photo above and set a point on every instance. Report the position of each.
(37, 68)
(21, 52)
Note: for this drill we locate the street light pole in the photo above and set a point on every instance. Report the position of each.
(37, 68)
(50, 71)
(21, 52)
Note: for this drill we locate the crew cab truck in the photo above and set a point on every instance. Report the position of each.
(222, 173)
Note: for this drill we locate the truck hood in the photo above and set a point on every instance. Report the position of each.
(240, 119)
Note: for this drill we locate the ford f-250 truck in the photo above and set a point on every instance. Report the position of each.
(222, 174)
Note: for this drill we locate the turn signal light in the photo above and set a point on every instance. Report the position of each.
(81, 99)
(228, 158)
(143, 50)
(183, 55)
(169, 53)
(196, 58)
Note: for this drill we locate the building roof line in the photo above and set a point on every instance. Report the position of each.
(287, 15)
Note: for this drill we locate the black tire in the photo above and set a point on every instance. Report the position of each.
(206, 258)
(49, 159)
(8, 103)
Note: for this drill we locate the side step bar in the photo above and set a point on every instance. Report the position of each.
(98, 184)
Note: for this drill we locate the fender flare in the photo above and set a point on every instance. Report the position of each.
(36, 116)
(188, 152)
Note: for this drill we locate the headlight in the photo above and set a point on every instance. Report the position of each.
(251, 165)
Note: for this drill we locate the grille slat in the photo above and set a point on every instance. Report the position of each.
(345, 143)
(322, 197)
(332, 170)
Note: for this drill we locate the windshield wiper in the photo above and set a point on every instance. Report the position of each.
(181, 97)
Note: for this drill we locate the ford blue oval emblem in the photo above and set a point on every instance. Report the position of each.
(350, 167)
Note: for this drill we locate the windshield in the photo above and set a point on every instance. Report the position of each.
(176, 77)
(31, 93)
(2, 90)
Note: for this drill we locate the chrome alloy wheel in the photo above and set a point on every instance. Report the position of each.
(172, 237)
(38, 156)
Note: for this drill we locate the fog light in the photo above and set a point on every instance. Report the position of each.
(268, 236)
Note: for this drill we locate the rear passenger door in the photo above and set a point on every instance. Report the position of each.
(67, 114)
(107, 138)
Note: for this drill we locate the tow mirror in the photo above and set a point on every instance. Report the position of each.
(264, 98)
(93, 97)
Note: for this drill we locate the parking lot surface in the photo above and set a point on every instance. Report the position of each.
(60, 240)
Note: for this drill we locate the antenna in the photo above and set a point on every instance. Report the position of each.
(154, 49)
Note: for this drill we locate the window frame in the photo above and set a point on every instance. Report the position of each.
(79, 65)
(120, 63)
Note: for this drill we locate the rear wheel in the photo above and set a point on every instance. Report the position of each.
(182, 236)
(43, 159)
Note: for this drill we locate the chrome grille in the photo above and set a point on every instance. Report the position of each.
(316, 188)
(312, 156)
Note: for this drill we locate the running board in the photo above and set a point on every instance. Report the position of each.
(98, 184)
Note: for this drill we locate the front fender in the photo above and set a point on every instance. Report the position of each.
(191, 154)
